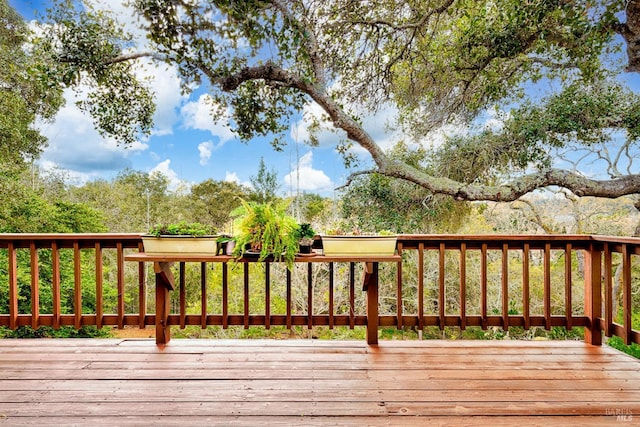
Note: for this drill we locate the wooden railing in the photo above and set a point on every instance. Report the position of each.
(486, 281)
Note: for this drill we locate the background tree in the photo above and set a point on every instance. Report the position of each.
(375, 202)
(437, 62)
(133, 201)
(265, 184)
(213, 201)
(23, 95)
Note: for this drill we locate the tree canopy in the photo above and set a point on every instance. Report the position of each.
(434, 62)
(23, 96)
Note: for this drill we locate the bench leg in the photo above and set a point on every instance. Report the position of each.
(163, 332)
(371, 287)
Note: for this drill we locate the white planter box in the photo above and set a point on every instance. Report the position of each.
(201, 245)
(359, 245)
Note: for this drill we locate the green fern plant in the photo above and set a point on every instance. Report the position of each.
(267, 229)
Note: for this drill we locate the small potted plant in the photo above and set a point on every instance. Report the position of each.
(305, 235)
(179, 238)
(225, 245)
(265, 231)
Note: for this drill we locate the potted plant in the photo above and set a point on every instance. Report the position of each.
(357, 243)
(305, 235)
(265, 230)
(225, 245)
(180, 238)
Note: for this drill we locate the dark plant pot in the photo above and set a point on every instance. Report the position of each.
(221, 248)
(305, 249)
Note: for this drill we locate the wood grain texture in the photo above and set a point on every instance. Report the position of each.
(312, 382)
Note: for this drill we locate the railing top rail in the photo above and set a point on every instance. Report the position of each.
(409, 241)
(69, 236)
(496, 241)
(66, 240)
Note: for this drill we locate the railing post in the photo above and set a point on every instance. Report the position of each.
(593, 294)
(164, 283)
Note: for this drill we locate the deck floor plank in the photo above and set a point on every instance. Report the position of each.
(311, 382)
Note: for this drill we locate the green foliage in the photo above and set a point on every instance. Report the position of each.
(23, 96)
(77, 218)
(618, 344)
(436, 63)
(182, 228)
(83, 45)
(26, 209)
(375, 202)
(213, 201)
(304, 230)
(134, 201)
(267, 229)
(49, 332)
(265, 184)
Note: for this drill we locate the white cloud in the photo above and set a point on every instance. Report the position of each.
(233, 177)
(205, 149)
(306, 178)
(165, 169)
(76, 146)
(162, 79)
(164, 83)
(198, 115)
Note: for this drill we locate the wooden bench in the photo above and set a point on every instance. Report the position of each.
(165, 283)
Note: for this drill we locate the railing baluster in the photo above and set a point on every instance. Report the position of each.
(463, 286)
(567, 286)
(142, 292)
(547, 286)
(35, 286)
(331, 296)
(182, 280)
(267, 295)
(55, 283)
(289, 296)
(505, 286)
(626, 294)
(441, 287)
(225, 296)
(421, 287)
(352, 295)
(608, 291)
(309, 296)
(526, 302)
(203, 295)
(13, 286)
(121, 291)
(483, 285)
(77, 279)
(99, 284)
(399, 301)
(246, 295)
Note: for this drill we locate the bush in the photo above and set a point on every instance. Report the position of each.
(618, 344)
(49, 332)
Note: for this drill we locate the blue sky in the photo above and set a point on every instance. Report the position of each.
(186, 145)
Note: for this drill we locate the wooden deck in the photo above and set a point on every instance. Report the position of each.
(268, 382)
